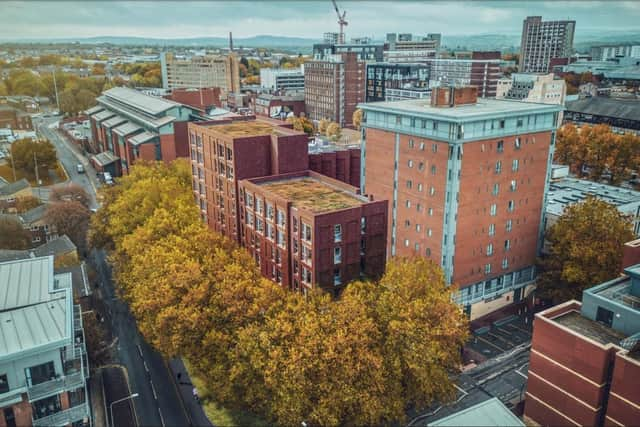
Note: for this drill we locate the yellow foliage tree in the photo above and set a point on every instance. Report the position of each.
(357, 118)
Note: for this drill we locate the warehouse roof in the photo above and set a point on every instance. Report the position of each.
(127, 129)
(142, 137)
(138, 100)
(491, 412)
(113, 121)
(599, 106)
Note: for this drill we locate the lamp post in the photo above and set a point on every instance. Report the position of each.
(118, 401)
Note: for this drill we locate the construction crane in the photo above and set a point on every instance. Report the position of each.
(341, 21)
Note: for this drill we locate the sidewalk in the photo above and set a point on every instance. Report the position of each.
(194, 409)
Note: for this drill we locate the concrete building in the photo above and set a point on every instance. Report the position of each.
(364, 50)
(466, 180)
(543, 40)
(282, 79)
(411, 48)
(200, 72)
(482, 70)
(541, 88)
(382, 76)
(622, 115)
(566, 191)
(306, 230)
(585, 358)
(411, 92)
(228, 156)
(605, 52)
(334, 87)
(130, 126)
(280, 106)
(43, 361)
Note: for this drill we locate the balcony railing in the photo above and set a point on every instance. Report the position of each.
(55, 386)
(65, 417)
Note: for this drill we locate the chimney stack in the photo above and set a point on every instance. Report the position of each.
(230, 42)
(451, 96)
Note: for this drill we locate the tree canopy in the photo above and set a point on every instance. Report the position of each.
(25, 152)
(13, 235)
(585, 249)
(286, 356)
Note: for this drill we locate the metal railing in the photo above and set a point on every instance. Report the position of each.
(64, 417)
(55, 386)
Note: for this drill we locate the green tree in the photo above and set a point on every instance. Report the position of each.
(585, 249)
(13, 235)
(25, 152)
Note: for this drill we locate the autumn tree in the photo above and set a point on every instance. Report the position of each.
(302, 124)
(69, 192)
(70, 218)
(322, 126)
(23, 204)
(333, 131)
(26, 151)
(357, 118)
(13, 235)
(585, 249)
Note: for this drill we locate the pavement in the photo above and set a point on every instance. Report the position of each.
(159, 401)
(194, 408)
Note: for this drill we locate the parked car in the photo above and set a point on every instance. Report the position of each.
(79, 168)
(108, 179)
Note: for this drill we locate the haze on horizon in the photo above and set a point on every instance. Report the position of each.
(169, 19)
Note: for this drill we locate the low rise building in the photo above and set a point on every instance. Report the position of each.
(622, 115)
(203, 99)
(306, 230)
(280, 106)
(585, 358)
(567, 191)
(282, 79)
(131, 125)
(43, 361)
(12, 192)
(14, 119)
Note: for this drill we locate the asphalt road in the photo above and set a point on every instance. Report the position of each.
(158, 403)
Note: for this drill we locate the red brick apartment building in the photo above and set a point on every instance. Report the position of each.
(129, 125)
(305, 228)
(585, 358)
(225, 154)
(333, 87)
(465, 179)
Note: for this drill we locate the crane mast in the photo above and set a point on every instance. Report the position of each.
(341, 22)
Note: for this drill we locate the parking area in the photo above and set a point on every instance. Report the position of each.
(499, 337)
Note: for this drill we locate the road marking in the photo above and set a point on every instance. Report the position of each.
(161, 418)
(139, 349)
(153, 390)
(146, 368)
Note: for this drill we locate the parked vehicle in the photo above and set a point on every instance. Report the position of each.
(108, 179)
(79, 168)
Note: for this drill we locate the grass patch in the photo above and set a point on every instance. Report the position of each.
(6, 172)
(219, 415)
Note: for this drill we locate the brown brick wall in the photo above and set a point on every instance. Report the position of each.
(624, 398)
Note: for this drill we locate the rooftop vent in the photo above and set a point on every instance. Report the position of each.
(451, 96)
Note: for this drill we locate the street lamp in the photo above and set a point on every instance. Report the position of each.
(118, 401)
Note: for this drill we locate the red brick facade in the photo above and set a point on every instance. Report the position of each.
(202, 99)
(343, 165)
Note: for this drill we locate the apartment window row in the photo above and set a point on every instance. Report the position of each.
(421, 166)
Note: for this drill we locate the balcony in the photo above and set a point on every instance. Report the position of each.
(63, 418)
(55, 386)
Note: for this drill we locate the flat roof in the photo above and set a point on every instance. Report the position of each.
(126, 129)
(113, 121)
(94, 110)
(142, 137)
(249, 128)
(133, 113)
(105, 158)
(589, 328)
(491, 412)
(566, 191)
(25, 282)
(484, 107)
(104, 115)
(312, 194)
(140, 101)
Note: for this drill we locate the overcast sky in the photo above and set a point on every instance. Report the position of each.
(167, 19)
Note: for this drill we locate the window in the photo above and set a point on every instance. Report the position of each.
(500, 147)
(509, 225)
(514, 165)
(270, 232)
(498, 166)
(306, 254)
(337, 280)
(432, 191)
(493, 210)
(517, 143)
(407, 223)
(519, 123)
(4, 384)
(434, 148)
(435, 125)
(490, 249)
(496, 189)
(419, 207)
(492, 229)
(270, 211)
(505, 263)
(433, 170)
(416, 247)
(337, 233)
(281, 219)
(363, 225)
(337, 255)
(427, 252)
(422, 146)
(418, 228)
(507, 245)
(408, 203)
(420, 187)
(430, 211)
(411, 143)
(259, 206)
(487, 268)
(398, 120)
(511, 206)
(409, 184)
(306, 275)
(410, 163)
(514, 185)
(421, 166)
(429, 232)
(306, 232)
(406, 243)
(280, 238)
(248, 199)
(501, 124)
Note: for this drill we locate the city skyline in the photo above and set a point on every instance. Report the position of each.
(298, 18)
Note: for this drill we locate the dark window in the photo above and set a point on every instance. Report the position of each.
(604, 316)
(4, 384)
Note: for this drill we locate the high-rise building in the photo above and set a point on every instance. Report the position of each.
(363, 48)
(252, 182)
(466, 180)
(585, 358)
(44, 366)
(542, 41)
(411, 48)
(282, 79)
(333, 87)
(382, 76)
(201, 71)
(482, 70)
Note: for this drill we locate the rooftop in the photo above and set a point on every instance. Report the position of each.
(491, 412)
(94, 110)
(105, 158)
(25, 282)
(484, 107)
(34, 215)
(250, 128)
(589, 328)
(138, 100)
(103, 115)
(312, 194)
(142, 137)
(14, 187)
(113, 121)
(609, 107)
(127, 128)
(570, 190)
